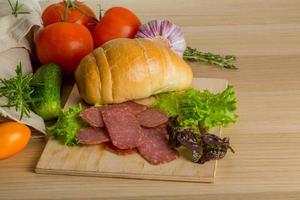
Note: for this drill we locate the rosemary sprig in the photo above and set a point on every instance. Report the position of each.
(18, 91)
(16, 8)
(192, 54)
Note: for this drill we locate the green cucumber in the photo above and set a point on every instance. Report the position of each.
(47, 82)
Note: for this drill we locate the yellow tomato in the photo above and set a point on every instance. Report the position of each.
(13, 138)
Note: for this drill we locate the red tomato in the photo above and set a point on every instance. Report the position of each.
(76, 12)
(13, 138)
(65, 44)
(117, 22)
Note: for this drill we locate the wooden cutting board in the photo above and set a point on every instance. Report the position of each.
(96, 161)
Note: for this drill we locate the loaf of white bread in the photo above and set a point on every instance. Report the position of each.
(129, 69)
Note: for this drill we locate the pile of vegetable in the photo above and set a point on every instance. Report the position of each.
(39, 93)
(70, 22)
(192, 114)
(71, 31)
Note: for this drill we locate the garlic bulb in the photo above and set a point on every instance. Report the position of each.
(166, 30)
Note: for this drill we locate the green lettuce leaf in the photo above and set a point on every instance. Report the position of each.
(168, 103)
(203, 109)
(67, 125)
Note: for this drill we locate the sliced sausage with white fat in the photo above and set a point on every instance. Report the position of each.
(92, 135)
(152, 118)
(132, 107)
(122, 126)
(93, 116)
(155, 148)
(110, 147)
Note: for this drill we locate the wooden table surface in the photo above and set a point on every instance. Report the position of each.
(265, 35)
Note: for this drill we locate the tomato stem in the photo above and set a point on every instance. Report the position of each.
(100, 17)
(73, 4)
(84, 12)
(68, 3)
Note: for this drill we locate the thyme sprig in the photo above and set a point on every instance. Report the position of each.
(192, 54)
(18, 91)
(16, 8)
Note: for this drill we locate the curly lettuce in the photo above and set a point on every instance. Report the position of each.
(67, 125)
(194, 108)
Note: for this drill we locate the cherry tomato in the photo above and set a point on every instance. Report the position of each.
(65, 44)
(13, 138)
(69, 11)
(117, 22)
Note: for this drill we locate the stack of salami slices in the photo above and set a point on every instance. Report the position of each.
(128, 128)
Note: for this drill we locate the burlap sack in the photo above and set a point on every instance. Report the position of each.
(16, 35)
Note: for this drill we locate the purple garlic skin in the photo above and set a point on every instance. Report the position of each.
(166, 30)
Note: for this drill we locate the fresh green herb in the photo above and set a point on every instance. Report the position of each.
(16, 8)
(18, 91)
(194, 55)
(67, 125)
(192, 113)
(203, 109)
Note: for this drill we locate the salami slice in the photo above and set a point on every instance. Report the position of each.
(122, 126)
(132, 107)
(155, 148)
(92, 135)
(93, 116)
(151, 118)
(110, 147)
(162, 129)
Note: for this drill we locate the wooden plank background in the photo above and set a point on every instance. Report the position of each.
(266, 37)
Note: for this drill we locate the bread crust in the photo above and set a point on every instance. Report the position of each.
(128, 69)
